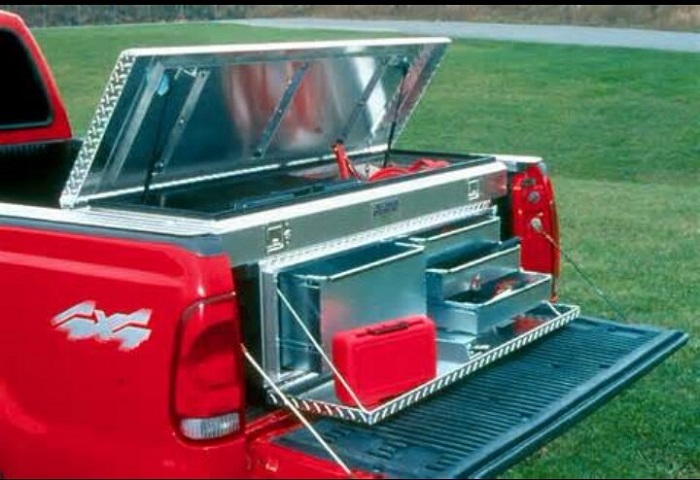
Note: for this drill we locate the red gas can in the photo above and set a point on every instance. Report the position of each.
(385, 360)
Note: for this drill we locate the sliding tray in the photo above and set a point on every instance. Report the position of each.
(321, 400)
(471, 233)
(477, 311)
(458, 274)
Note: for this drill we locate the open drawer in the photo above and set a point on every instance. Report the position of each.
(459, 273)
(472, 233)
(485, 306)
(354, 289)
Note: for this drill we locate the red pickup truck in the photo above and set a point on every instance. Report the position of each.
(235, 275)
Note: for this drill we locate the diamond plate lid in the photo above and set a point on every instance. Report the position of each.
(174, 116)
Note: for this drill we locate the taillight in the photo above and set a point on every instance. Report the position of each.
(208, 396)
(535, 221)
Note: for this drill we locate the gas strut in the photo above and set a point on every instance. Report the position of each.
(397, 111)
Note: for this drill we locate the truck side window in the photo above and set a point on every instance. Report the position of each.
(23, 99)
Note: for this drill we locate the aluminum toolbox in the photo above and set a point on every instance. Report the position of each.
(483, 264)
(351, 290)
(235, 141)
(385, 360)
(469, 313)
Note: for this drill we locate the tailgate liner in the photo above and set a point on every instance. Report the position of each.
(487, 424)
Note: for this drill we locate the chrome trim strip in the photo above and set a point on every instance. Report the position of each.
(93, 139)
(272, 47)
(397, 230)
(112, 172)
(126, 221)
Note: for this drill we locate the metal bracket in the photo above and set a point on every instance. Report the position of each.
(285, 102)
(366, 95)
(154, 83)
(201, 78)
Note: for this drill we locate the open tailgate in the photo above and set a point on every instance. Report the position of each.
(486, 424)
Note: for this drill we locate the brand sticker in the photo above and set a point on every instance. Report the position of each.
(385, 208)
(85, 322)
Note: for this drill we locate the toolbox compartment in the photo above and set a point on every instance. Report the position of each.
(351, 290)
(385, 360)
(471, 233)
(193, 141)
(477, 311)
(476, 265)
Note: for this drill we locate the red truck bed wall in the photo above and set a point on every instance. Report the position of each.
(96, 406)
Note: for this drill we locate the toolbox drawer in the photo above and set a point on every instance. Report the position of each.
(446, 239)
(477, 266)
(354, 289)
(477, 311)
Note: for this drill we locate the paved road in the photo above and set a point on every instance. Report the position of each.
(589, 36)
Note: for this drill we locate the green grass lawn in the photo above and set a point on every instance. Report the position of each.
(621, 132)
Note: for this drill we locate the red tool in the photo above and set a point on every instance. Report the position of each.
(385, 360)
(346, 170)
(524, 324)
(422, 165)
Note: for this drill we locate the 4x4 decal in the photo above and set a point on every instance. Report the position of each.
(84, 321)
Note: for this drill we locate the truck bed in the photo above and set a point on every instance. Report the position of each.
(502, 415)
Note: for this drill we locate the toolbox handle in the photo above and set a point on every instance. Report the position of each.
(412, 252)
(387, 329)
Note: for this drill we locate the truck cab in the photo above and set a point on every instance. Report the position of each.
(36, 144)
(236, 275)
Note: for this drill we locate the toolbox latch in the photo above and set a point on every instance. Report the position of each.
(278, 237)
